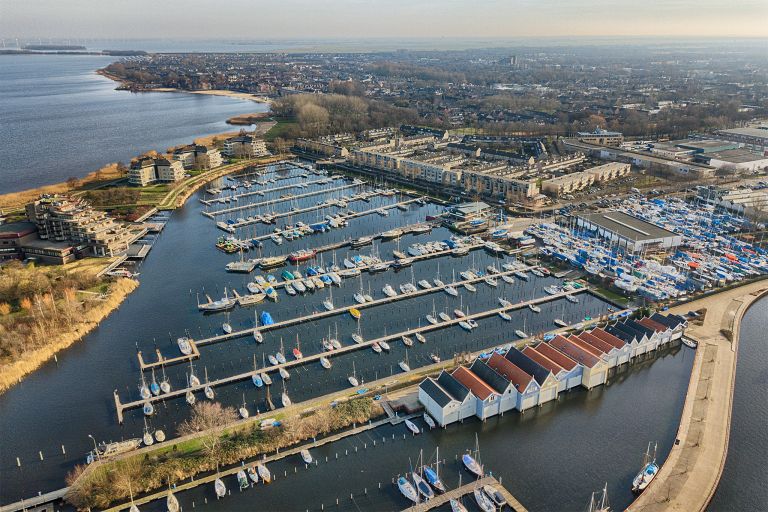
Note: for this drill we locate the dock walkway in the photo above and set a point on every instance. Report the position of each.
(269, 202)
(179, 393)
(208, 479)
(455, 494)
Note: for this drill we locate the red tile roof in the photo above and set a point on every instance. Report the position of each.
(510, 371)
(556, 356)
(574, 351)
(608, 337)
(543, 360)
(596, 342)
(652, 324)
(475, 384)
(586, 346)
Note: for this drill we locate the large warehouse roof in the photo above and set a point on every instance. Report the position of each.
(627, 226)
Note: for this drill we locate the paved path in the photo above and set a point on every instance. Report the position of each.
(691, 473)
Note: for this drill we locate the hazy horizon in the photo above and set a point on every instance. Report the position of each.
(382, 19)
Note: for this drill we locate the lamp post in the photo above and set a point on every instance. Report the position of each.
(95, 448)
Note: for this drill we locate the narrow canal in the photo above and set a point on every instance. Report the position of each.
(549, 457)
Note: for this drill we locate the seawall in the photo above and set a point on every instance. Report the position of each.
(690, 475)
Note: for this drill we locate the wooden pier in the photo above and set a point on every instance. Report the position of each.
(168, 361)
(455, 494)
(178, 393)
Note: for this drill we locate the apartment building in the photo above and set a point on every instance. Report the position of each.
(196, 156)
(325, 146)
(61, 219)
(576, 181)
(150, 169)
(601, 137)
(244, 146)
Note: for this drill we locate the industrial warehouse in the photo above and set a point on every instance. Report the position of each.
(519, 379)
(629, 232)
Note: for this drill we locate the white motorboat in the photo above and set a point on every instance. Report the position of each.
(534, 308)
(456, 506)
(505, 316)
(264, 473)
(306, 456)
(429, 421)
(432, 320)
(412, 427)
(520, 334)
(184, 345)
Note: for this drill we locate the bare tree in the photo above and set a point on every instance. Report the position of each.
(207, 416)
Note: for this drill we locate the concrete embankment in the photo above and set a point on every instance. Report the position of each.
(691, 473)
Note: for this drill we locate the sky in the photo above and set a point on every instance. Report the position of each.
(339, 19)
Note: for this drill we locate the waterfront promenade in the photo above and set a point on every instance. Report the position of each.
(691, 473)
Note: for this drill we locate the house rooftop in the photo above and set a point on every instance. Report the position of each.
(474, 383)
(555, 355)
(490, 376)
(437, 393)
(510, 371)
(454, 388)
(574, 351)
(528, 365)
(543, 360)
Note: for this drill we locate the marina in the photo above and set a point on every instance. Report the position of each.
(384, 320)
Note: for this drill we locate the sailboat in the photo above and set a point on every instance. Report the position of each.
(147, 437)
(144, 391)
(325, 363)
(219, 488)
(600, 504)
(172, 503)
(264, 473)
(280, 357)
(422, 486)
(432, 318)
(148, 408)
(432, 476)
(242, 480)
(647, 472)
(165, 386)
(208, 390)
(407, 489)
(255, 377)
(328, 303)
(286, 400)
(297, 350)
(193, 380)
(412, 427)
(253, 474)
(456, 506)
(154, 387)
(471, 463)
(404, 364)
(284, 373)
(353, 378)
(243, 411)
(485, 504)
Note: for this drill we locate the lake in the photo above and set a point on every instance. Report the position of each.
(61, 119)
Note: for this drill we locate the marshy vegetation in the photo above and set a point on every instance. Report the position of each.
(214, 442)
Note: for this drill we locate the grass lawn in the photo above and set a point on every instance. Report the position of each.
(615, 297)
(280, 129)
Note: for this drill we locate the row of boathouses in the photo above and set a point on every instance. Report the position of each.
(523, 378)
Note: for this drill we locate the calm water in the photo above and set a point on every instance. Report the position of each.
(586, 438)
(742, 486)
(61, 119)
